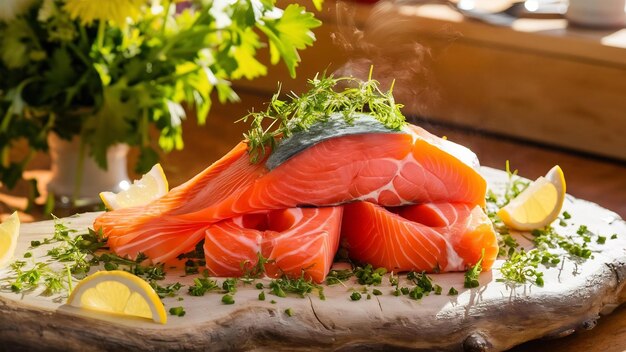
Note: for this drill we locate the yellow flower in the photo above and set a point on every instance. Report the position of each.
(116, 11)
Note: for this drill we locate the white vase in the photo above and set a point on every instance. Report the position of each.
(73, 188)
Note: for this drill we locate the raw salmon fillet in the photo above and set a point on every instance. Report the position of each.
(389, 169)
(151, 230)
(296, 242)
(395, 168)
(427, 237)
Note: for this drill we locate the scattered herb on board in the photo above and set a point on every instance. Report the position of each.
(300, 286)
(522, 266)
(283, 118)
(452, 291)
(367, 275)
(338, 276)
(178, 311)
(355, 296)
(471, 275)
(202, 285)
(289, 312)
(228, 299)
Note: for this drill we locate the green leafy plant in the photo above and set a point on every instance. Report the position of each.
(110, 71)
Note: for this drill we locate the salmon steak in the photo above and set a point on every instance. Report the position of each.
(425, 237)
(293, 242)
(358, 163)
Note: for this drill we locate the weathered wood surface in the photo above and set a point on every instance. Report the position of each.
(489, 318)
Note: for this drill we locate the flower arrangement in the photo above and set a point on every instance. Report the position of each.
(109, 71)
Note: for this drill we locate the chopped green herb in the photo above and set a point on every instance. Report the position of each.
(262, 296)
(259, 285)
(28, 255)
(369, 296)
(452, 291)
(255, 271)
(404, 290)
(301, 286)
(522, 266)
(338, 276)
(471, 276)
(202, 286)
(273, 302)
(438, 289)
(369, 276)
(601, 240)
(230, 285)
(566, 215)
(355, 296)
(228, 299)
(166, 291)
(178, 311)
(377, 292)
(289, 312)
(35, 243)
(613, 236)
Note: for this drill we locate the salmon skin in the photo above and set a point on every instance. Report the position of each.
(391, 169)
(346, 163)
(425, 237)
(295, 242)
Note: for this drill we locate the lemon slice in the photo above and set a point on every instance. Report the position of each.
(9, 231)
(152, 185)
(538, 205)
(118, 292)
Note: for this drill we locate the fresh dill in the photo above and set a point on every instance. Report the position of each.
(283, 118)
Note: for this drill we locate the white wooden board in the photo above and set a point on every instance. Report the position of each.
(491, 317)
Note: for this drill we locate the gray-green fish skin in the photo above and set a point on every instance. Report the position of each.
(335, 126)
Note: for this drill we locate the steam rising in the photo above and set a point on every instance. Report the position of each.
(388, 41)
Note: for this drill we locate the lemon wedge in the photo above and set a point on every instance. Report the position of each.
(538, 205)
(152, 185)
(118, 292)
(9, 231)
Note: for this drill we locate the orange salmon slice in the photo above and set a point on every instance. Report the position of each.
(410, 166)
(296, 242)
(426, 237)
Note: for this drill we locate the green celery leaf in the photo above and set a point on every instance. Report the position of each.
(288, 34)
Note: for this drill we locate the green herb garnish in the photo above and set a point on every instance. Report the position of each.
(228, 299)
(202, 286)
(283, 118)
(300, 286)
(166, 291)
(369, 276)
(262, 296)
(452, 291)
(471, 275)
(355, 296)
(289, 312)
(338, 276)
(178, 311)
